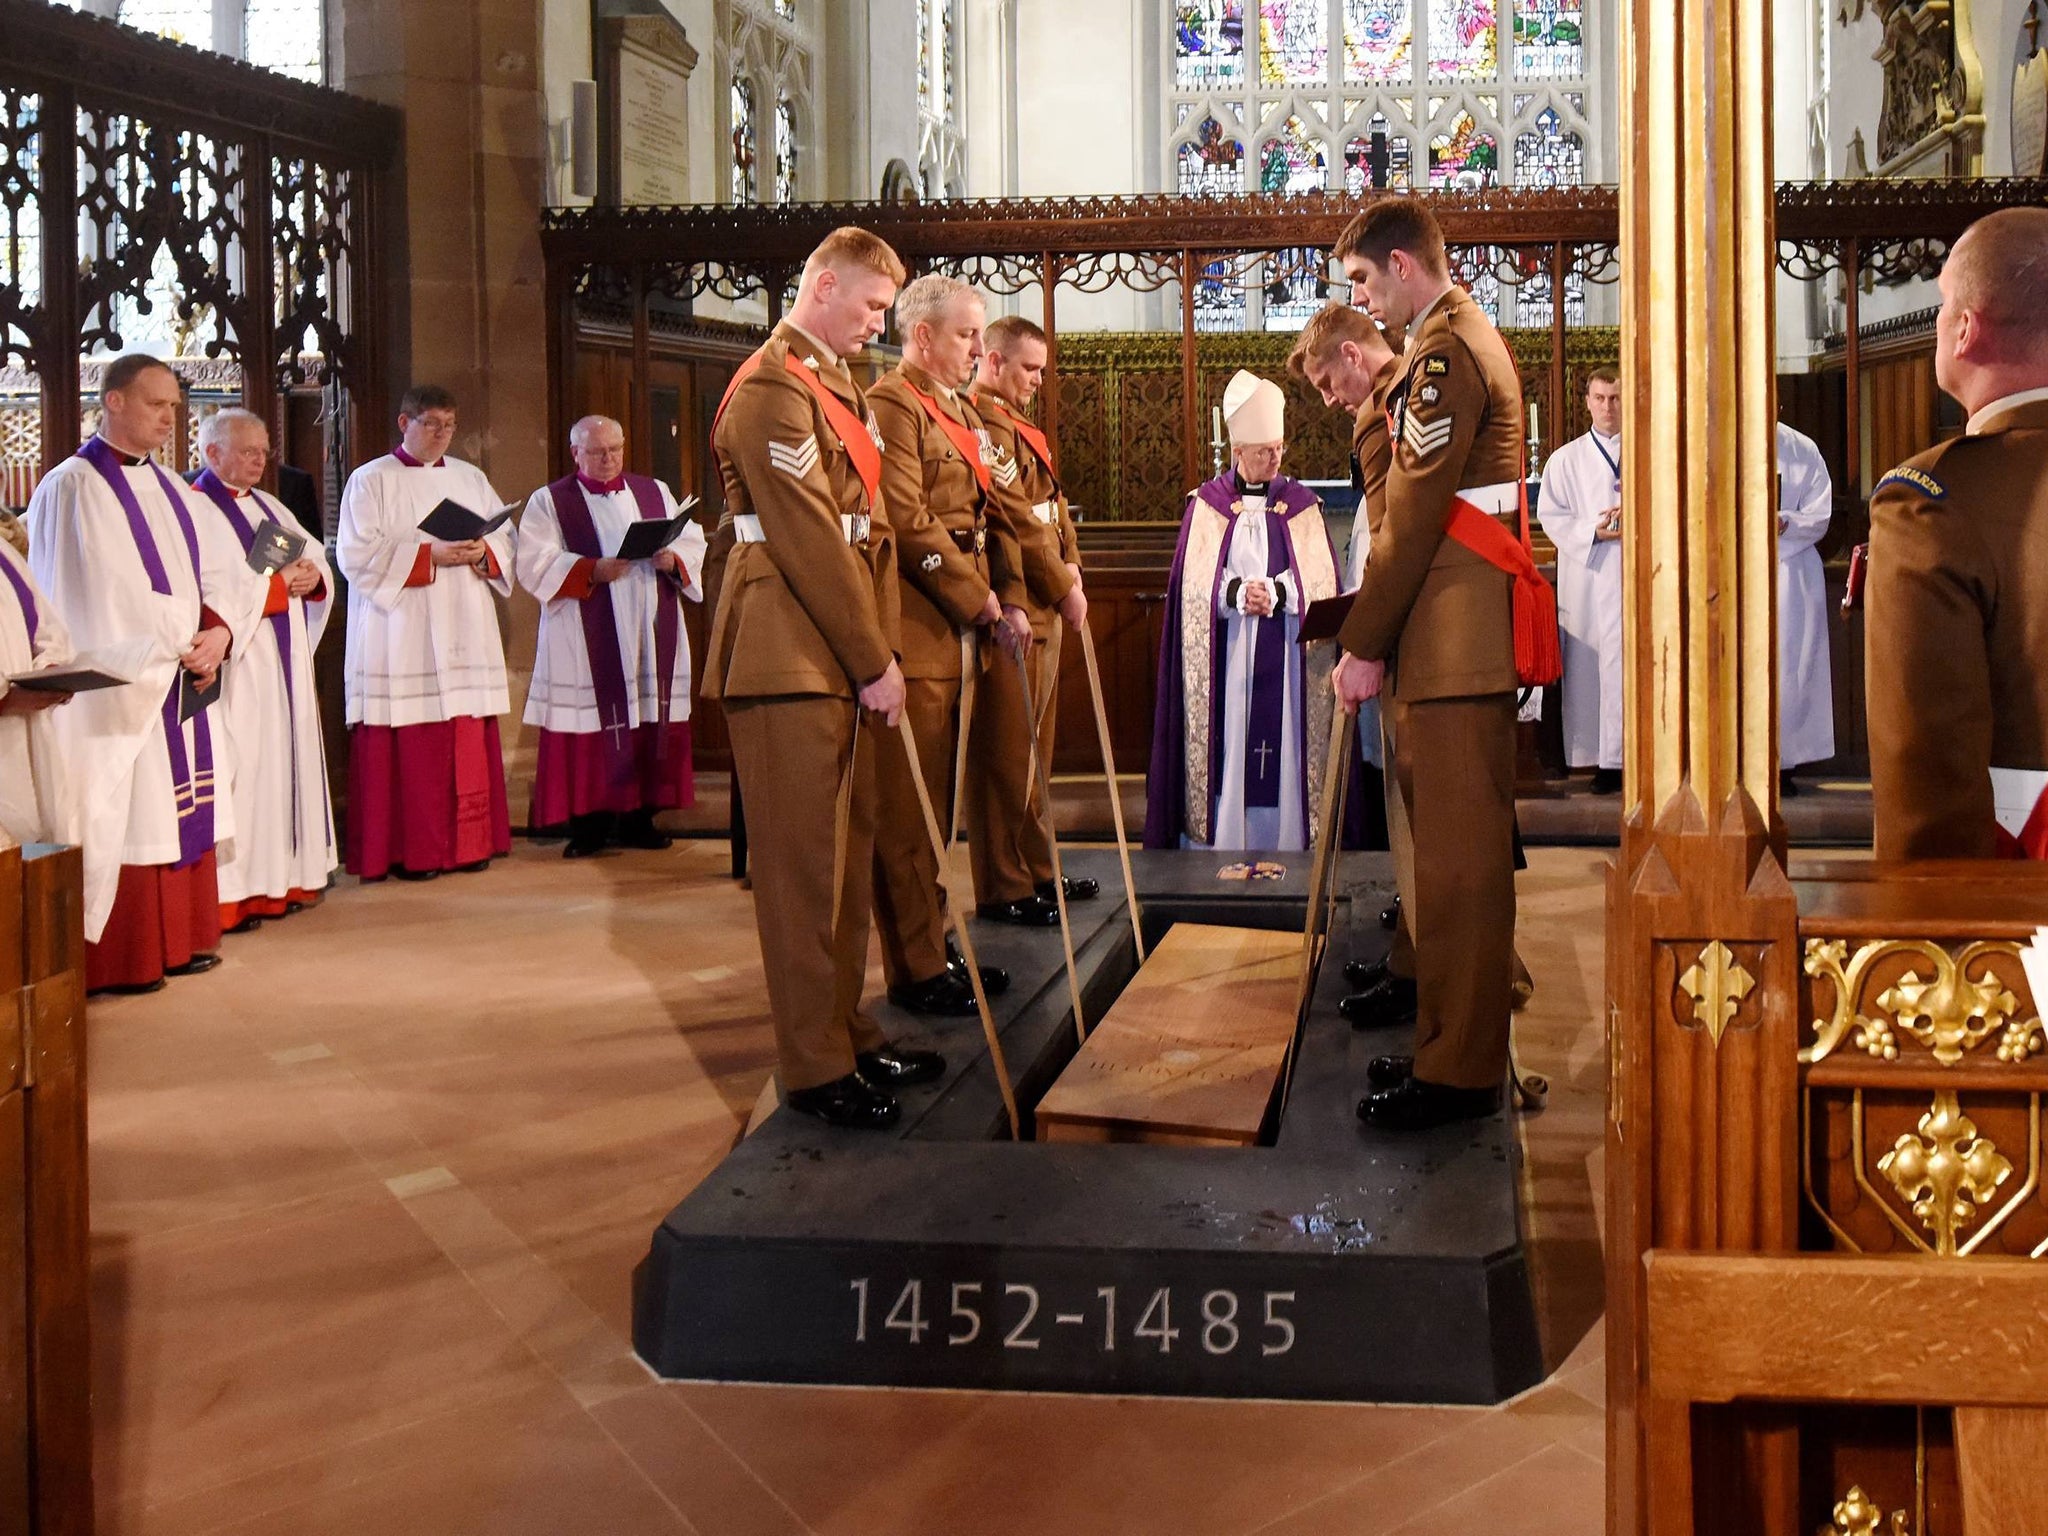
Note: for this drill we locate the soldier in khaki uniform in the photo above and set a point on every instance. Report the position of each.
(957, 565)
(1956, 632)
(799, 651)
(1006, 818)
(1433, 621)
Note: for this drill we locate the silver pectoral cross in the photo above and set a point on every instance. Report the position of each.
(1263, 752)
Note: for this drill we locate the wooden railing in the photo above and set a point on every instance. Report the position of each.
(45, 1358)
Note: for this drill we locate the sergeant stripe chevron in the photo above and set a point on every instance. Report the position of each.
(794, 459)
(1426, 437)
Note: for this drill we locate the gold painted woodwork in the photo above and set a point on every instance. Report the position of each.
(1967, 999)
(1716, 984)
(1857, 1516)
(1946, 1171)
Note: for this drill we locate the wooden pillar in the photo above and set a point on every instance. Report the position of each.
(57, 355)
(1048, 389)
(1560, 263)
(1702, 962)
(561, 287)
(1852, 367)
(1191, 438)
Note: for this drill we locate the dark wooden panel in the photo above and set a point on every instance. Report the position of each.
(16, 1392)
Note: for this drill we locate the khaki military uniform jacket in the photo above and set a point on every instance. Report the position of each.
(936, 507)
(1372, 450)
(1046, 538)
(1439, 614)
(1956, 632)
(805, 610)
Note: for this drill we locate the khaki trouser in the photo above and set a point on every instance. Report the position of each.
(791, 755)
(1008, 849)
(910, 909)
(1455, 764)
(1401, 957)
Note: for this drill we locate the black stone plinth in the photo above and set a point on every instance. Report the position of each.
(1336, 1263)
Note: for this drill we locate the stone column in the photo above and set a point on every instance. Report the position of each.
(464, 247)
(1702, 951)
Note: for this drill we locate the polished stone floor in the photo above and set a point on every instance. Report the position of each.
(366, 1199)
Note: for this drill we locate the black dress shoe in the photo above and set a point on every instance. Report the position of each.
(581, 847)
(129, 988)
(891, 1068)
(250, 923)
(947, 995)
(1028, 912)
(1368, 973)
(1079, 888)
(1388, 1002)
(198, 965)
(472, 869)
(400, 872)
(1390, 914)
(637, 830)
(1606, 781)
(848, 1102)
(1416, 1105)
(1787, 785)
(995, 981)
(1389, 1071)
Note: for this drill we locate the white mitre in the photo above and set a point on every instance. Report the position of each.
(1255, 409)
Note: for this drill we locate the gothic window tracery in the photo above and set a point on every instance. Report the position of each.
(287, 36)
(766, 58)
(941, 146)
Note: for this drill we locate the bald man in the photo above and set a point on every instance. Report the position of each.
(611, 669)
(1958, 590)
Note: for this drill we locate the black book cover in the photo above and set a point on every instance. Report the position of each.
(192, 698)
(75, 679)
(453, 523)
(649, 537)
(275, 547)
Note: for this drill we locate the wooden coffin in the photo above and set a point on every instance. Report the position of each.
(1193, 1051)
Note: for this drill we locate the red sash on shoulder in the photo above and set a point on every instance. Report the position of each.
(1538, 659)
(1034, 439)
(959, 434)
(851, 430)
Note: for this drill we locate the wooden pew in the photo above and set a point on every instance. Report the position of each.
(45, 1357)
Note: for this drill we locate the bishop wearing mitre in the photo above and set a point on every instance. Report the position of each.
(153, 588)
(1244, 712)
(283, 855)
(425, 670)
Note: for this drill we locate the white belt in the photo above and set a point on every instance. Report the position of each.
(1496, 500)
(1046, 512)
(746, 528)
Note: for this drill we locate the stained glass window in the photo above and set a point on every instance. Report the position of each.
(786, 9)
(1547, 156)
(1379, 160)
(1208, 46)
(1549, 39)
(945, 26)
(1464, 40)
(1212, 165)
(785, 150)
(1297, 285)
(745, 185)
(1533, 300)
(284, 35)
(1378, 38)
(1464, 158)
(1294, 42)
(1294, 162)
(925, 76)
(1219, 297)
(182, 21)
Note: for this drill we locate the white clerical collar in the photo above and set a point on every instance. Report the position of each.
(128, 460)
(1979, 420)
(825, 353)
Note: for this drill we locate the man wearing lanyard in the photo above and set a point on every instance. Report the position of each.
(1581, 511)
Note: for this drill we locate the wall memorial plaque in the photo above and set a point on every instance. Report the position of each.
(644, 62)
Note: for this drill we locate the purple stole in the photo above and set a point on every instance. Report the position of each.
(601, 622)
(217, 492)
(195, 809)
(27, 596)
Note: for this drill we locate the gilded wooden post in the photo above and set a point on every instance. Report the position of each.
(1702, 928)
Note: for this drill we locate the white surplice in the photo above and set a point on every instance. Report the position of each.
(1806, 697)
(1579, 487)
(563, 697)
(41, 799)
(417, 655)
(284, 816)
(1284, 826)
(86, 560)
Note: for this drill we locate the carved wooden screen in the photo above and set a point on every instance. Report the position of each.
(223, 218)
